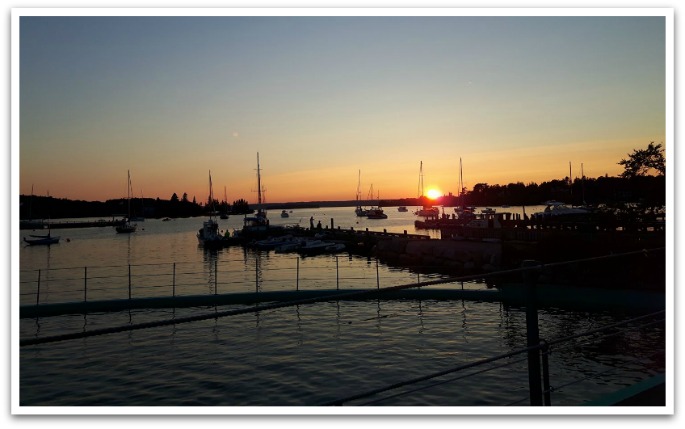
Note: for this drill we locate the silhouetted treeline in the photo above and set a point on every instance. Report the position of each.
(41, 207)
(650, 191)
(602, 190)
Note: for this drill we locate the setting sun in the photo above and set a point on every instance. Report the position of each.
(433, 194)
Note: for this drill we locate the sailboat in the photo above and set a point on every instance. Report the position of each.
(427, 210)
(461, 210)
(30, 223)
(126, 226)
(41, 239)
(359, 211)
(209, 235)
(257, 224)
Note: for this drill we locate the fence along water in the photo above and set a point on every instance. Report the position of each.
(537, 349)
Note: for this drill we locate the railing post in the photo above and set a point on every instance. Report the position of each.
(85, 284)
(337, 275)
(129, 281)
(216, 273)
(38, 290)
(547, 390)
(532, 333)
(297, 275)
(173, 281)
(378, 279)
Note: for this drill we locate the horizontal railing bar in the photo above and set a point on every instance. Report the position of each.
(461, 377)
(484, 361)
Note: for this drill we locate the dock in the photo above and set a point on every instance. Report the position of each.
(83, 224)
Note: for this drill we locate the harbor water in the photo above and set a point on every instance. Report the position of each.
(302, 355)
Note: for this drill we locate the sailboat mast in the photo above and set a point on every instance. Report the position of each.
(259, 184)
(582, 183)
(461, 184)
(570, 180)
(421, 180)
(128, 193)
(211, 192)
(359, 185)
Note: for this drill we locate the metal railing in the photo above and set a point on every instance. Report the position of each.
(175, 279)
(537, 350)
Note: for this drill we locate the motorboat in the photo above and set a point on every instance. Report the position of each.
(376, 213)
(402, 209)
(318, 247)
(284, 213)
(557, 210)
(272, 243)
(428, 211)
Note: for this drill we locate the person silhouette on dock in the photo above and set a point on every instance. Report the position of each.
(311, 223)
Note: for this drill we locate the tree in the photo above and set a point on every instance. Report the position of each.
(174, 198)
(642, 161)
(240, 207)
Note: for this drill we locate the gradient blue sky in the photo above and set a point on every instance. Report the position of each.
(320, 98)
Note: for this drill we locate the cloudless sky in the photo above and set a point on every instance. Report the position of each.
(322, 98)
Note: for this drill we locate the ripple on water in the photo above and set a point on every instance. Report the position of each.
(308, 355)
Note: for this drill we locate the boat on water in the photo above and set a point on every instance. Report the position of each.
(319, 247)
(427, 210)
(376, 213)
(284, 213)
(41, 240)
(359, 211)
(208, 235)
(402, 209)
(126, 227)
(559, 210)
(257, 225)
(273, 243)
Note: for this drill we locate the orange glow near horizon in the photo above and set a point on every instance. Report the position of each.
(306, 94)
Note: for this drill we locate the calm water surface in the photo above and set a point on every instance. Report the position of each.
(302, 355)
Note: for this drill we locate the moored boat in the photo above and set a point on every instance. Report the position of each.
(319, 247)
(126, 227)
(41, 240)
(208, 235)
(376, 213)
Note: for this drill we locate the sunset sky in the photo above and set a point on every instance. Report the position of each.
(324, 97)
